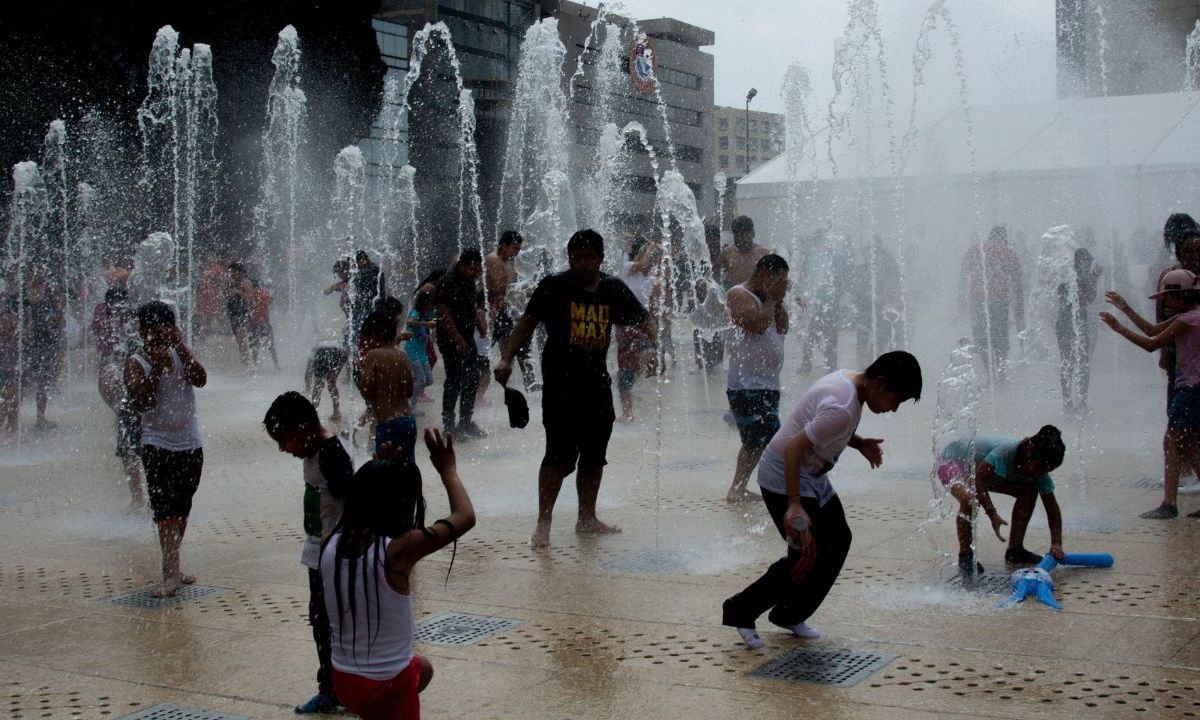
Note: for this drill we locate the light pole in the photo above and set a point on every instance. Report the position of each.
(749, 96)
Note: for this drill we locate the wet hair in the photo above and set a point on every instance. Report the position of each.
(422, 297)
(998, 233)
(153, 314)
(901, 373)
(392, 306)
(1178, 226)
(362, 255)
(116, 296)
(434, 278)
(1046, 446)
(510, 237)
(289, 412)
(741, 224)
(379, 325)
(712, 231)
(237, 266)
(470, 256)
(341, 266)
(584, 240)
(771, 263)
(383, 501)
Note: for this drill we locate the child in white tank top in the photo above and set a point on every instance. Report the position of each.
(366, 569)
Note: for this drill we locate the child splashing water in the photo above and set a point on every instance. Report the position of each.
(366, 571)
(1018, 467)
(1181, 296)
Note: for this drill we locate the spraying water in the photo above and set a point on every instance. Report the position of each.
(277, 213)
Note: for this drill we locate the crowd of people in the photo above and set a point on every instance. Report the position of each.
(366, 528)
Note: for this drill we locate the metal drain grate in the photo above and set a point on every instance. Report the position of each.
(461, 628)
(647, 562)
(171, 711)
(987, 584)
(144, 597)
(840, 668)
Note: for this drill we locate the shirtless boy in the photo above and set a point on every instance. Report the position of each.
(736, 263)
(387, 383)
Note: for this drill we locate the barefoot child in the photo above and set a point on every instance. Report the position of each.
(160, 380)
(293, 424)
(324, 365)
(387, 382)
(1181, 296)
(367, 569)
(1011, 466)
(420, 324)
(793, 477)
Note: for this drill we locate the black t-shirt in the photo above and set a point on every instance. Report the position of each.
(458, 294)
(578, 332)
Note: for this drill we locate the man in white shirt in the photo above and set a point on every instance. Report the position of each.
(793, 477)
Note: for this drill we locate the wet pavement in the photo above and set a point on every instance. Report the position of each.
(619, 626)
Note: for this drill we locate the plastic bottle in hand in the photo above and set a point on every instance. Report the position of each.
(800, 525)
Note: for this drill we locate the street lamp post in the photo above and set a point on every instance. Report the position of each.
(749, 96)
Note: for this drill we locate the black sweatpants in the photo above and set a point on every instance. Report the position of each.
(462, 380)
(795, 586)
(318, 617)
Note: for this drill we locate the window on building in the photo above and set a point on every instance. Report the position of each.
(753, 126)
(741, 143)
(723, 123)
(689, 153)
(741, 160)
(724, 142)
(724, 161)
(753, 143)
(741, 124)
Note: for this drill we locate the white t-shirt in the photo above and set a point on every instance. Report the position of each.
(828, 414)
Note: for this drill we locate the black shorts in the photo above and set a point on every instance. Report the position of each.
(757, 415)
(327, 362)
(239, 313)
(129, 433)
(577, 435)
(171, 479)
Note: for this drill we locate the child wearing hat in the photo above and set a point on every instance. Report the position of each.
(1179, 292)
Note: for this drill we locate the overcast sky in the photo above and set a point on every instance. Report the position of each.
(1008, 45)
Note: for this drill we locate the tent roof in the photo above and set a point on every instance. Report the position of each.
(1080, 133)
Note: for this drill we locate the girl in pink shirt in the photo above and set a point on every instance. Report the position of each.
(1181, 295)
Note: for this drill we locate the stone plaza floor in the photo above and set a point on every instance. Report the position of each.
(623, 626)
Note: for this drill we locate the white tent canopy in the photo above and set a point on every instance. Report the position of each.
(1136, 132)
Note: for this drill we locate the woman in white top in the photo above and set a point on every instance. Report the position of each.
(366, 572)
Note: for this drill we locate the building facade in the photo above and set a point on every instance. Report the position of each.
(1144, 46)
(685, 82)
(740, 148)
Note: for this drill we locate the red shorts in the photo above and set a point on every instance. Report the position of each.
(394, 699)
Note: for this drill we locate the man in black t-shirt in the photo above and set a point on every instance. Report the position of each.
(579, 308)
(457, 304)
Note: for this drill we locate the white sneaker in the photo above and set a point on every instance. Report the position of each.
(750, 637)
(802, 630)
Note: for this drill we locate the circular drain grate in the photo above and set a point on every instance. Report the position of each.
(45, 702)
(1162, 698)
(258, 607)
(233, 530)
(37, 579)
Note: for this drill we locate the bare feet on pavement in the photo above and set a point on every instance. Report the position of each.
(595, 527)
